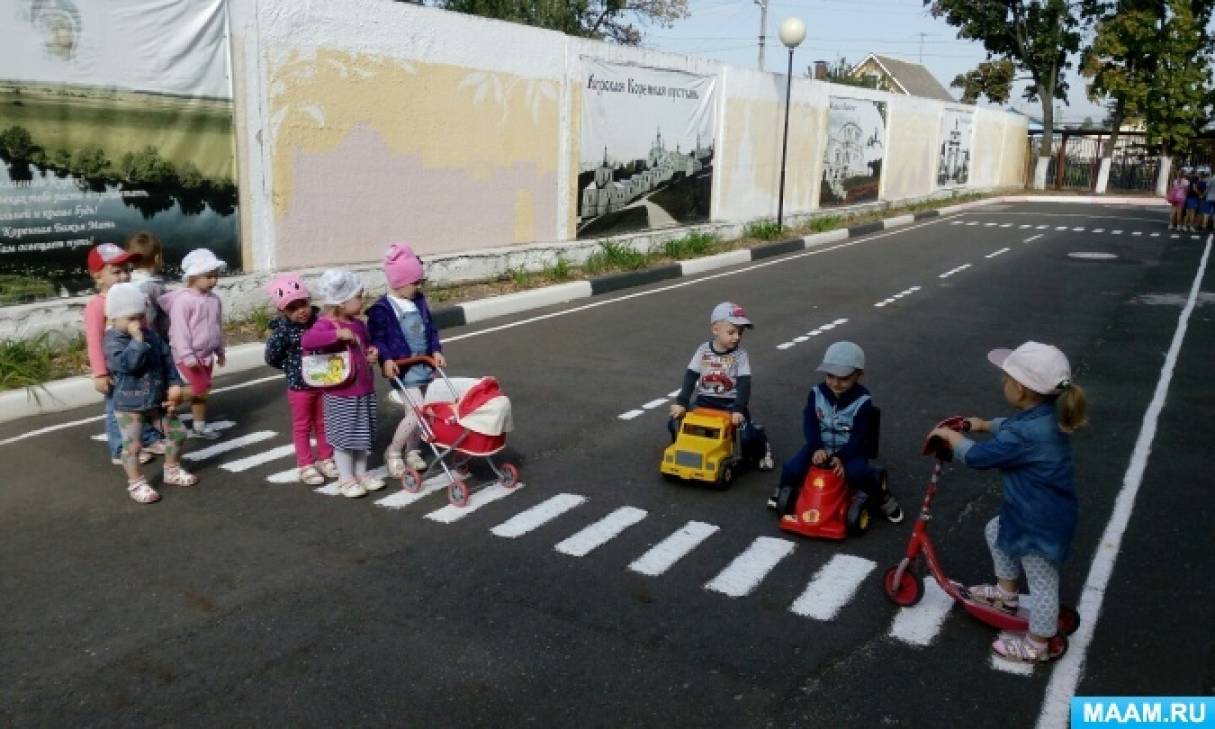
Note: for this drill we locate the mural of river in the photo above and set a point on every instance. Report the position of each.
(49, 219)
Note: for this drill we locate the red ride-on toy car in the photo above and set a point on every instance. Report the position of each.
(826, 508)
(904, 583)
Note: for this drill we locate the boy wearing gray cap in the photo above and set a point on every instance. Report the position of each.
(836, 423)
(719, 377)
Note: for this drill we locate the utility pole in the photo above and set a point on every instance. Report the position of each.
(763, 28)
(922, 34)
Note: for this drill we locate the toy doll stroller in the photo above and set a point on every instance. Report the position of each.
(461, 419)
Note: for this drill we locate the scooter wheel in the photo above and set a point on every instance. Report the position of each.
(458, 493)
(1069, 619)
(908, 591)
(411, 481)
(1057, 646)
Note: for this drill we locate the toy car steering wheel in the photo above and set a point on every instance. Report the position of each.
(935, 446)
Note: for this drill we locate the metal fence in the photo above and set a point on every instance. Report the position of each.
(1076, 159)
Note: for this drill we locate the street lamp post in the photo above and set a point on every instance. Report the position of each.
(792, 33)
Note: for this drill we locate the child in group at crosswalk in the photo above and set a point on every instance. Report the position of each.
(146, 273)
(196, 332)
(110, 265)
(293, 301)
(401, 326)
(719, 376)
(836, 422)
(349, 406)
(1038, 512)
(146, 389)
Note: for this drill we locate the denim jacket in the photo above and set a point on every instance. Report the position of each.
(839, 425)
(1039, 511)
(141, 372)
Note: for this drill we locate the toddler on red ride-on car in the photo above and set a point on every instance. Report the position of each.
(836, 422)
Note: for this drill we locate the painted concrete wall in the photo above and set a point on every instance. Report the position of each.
(365, 121)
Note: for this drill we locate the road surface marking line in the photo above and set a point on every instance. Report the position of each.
(1032, 238)
(1068, 669)
(291, 475)
(1078, 230)
(1195, 237)
(993, 254)
(1023, 226)
(401, 499)
(601, 532)
(1013, 667)
(801, 338)
(832, 587)
(1007, 225)
(662, 556)
(257, 459)
(217, 425)
(331, 488)
(952, 271)
(1140, 232)
(230, 445)
(1155, 235)
(1042, 227)
(1116, 232)
(1060, 227)
(919, 625)
(538, 515)
(784, 345)
(990, 225)
(672, 393)
(452, 513)
(1098, 230)
(814, 332)
(826, 327)
(837, 322)
(880, 304)
(654, 403)
(630, 414)
(956, 222)
(750, 568)
(973, 222)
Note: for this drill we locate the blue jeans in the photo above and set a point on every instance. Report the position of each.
(858, 471)
(113, 437)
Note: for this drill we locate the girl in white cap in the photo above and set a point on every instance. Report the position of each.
(1033, 451)
(147, 389)
(196, 331)
(349, 407)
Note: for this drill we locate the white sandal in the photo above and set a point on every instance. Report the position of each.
(178, 476)
(1021, 649)
(995, 596)
(141, 493)
(394, 463)
(328, 468)
(311, 476)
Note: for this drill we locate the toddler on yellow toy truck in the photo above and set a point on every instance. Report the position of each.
(717, 384)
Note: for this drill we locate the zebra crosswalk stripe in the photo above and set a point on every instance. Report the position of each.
(538, 515)
(601, 532)
(451, 513)
(832, 587)
(244, 464)
(229, 445)
(662, 556)
(748, 569)
(919, 625)
(402, 498)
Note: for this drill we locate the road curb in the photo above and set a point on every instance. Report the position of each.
(77, 392)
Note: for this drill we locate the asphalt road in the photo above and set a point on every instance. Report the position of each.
(245, 602)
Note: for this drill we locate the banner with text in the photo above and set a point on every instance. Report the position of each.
(856, 147)
(114, 118)
(647, 148)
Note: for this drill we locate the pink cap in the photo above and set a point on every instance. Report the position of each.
(402, 266)
(286, 288)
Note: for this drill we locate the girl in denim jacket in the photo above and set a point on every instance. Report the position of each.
(147, 389)
(1033, 451)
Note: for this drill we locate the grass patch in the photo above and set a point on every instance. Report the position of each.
(762, 230)
(823, 224)
(25, 362)
(692, 245)
(560, 270)
(16, 289)
(613, 256)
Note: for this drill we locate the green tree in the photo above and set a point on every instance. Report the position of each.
(147, 167)
(90, 162)
(1120, 62)
(840, 72)
(1179, 93)
(613, 20)
(17, 143)
(992, 79)
(1038, 36)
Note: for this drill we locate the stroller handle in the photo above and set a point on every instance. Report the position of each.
(418, 359)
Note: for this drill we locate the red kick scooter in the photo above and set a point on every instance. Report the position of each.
(904, 584)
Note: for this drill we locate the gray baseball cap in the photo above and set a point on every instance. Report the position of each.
(731, 312)
(842, 359)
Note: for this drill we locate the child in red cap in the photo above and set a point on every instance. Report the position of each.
(108, 265)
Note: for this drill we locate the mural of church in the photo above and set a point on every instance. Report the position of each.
(607, 194)
(853, 154)
(953, 162)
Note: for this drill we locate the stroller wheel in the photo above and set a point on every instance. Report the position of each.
(509, 476)
(411, 481)
(458, 493)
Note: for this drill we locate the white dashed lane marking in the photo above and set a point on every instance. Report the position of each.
(993, 254)
(654, 403)
(630, 414)
(952, 271)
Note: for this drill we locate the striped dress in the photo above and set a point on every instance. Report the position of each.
(350, 408)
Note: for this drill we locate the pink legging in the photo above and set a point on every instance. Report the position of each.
(307, 417)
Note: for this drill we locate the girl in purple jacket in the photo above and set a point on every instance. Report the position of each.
(349, 408)
(196, 331)
(401, 326)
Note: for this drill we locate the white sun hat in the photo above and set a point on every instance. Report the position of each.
(337, 286)
(200, 261)
(1039, 367)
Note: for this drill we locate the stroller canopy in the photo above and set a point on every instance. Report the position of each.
(483, 408)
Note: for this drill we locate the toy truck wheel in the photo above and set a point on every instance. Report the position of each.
(458, 493)
(411, 481)
(726, 476)
(908, 591)
(858, 515)
(1069, 619)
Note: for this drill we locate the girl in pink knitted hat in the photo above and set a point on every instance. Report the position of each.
(401, 326)
(291, 297)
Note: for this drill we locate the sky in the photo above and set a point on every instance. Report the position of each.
(727, 30)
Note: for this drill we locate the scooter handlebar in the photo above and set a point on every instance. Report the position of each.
(934, 446)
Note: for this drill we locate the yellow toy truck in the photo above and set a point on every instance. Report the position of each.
(705, 449)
